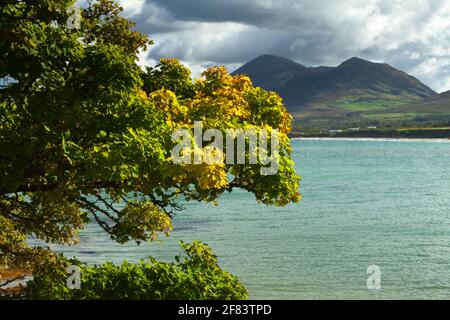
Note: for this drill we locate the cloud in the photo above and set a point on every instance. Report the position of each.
(132, 7)
(410, 35)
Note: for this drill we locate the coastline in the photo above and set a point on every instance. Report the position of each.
(370, 139)
(407, 134)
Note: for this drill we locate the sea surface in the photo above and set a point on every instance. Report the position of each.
(383, 203)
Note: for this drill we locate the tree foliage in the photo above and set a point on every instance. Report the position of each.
(195, 276)
(85, 133)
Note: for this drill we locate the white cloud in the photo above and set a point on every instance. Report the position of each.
(414, 55)
(411, 35)
(132, 7)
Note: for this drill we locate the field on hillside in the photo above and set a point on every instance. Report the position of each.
(360, 114)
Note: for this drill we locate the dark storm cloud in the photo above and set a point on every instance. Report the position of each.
(217, 11)
(410, 35)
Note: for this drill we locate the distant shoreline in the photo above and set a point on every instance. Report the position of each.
(419, 133)
(370, 139)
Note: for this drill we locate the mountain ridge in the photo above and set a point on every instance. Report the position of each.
(351, 84)
(355, 91)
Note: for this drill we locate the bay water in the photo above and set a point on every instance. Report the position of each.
(383, 203)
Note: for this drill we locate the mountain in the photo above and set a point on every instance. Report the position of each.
(436, 106)
(445, 94)
(353, 88)
(273, 73)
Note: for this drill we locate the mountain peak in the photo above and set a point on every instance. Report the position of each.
(268, 70)
(269, 56)
(267, 60)
(354, 61)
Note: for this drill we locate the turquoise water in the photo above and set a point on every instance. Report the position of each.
(365, 202)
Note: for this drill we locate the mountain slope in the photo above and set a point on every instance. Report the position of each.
(436, 105)
(273, 73)
(354, 86)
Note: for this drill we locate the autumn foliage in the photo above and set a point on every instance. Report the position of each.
(85, 133)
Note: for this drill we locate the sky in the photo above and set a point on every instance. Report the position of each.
(411, 35)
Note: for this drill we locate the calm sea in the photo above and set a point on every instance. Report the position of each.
(365, 202)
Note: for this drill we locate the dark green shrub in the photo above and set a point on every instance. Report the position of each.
(195, 276)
